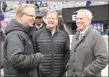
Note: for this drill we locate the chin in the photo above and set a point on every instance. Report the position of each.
(51, 26)
(31, 25)
(78, 29)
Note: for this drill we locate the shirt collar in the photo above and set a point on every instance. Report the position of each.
(84, 31)
(53, 31)
(38, 27)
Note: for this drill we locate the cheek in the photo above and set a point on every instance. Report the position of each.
(32, 21)
(25, 19)
(56, 22)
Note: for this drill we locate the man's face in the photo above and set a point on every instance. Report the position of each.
(51, 20)
(28, 17)
(82, 21)
(38, 20)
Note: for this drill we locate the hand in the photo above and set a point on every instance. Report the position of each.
(40, 56)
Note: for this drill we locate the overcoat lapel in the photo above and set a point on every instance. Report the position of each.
(78, 41)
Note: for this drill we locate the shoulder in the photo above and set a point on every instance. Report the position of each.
(16, 35)
(95, 35)
(64, 34)
(38, 32)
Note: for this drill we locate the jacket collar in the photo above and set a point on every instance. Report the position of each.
(77, 38)
(55, 31)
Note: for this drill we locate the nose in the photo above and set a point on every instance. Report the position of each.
(33, 18)
(78, 21)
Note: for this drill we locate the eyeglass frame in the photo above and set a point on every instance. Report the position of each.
(29, 15)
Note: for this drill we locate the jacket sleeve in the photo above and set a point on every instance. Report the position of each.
(67, 49)
(101, 57)
(34, 42)
(35, 37)
(16, 56)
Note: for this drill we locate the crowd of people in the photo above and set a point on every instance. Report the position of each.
(36, 48)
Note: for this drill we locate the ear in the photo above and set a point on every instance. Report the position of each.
(21, 17)
(90, 20)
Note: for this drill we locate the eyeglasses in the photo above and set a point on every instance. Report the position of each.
(29, 15)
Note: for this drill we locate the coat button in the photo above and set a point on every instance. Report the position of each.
(73, 60)
(74, 50)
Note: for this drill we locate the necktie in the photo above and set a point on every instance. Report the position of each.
(80, 35)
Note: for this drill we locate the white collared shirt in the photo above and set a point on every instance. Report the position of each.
(53, 32)
(82, 33)
(38, 27)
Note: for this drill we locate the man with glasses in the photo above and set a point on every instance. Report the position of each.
(20, 59)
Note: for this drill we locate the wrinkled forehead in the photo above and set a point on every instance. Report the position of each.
(29, 10)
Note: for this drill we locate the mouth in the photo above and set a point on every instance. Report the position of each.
(31, 22)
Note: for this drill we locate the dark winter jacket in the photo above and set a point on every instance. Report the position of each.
(55, 50)
(20, 58)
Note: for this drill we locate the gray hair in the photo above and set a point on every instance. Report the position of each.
(89, 14)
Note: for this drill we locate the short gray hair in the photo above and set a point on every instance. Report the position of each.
(89, 14)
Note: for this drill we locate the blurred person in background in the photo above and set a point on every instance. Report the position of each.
(4, 6)
(61, 25)
(39, 23)
(20, 59)
(2, 38)
(3, 21)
